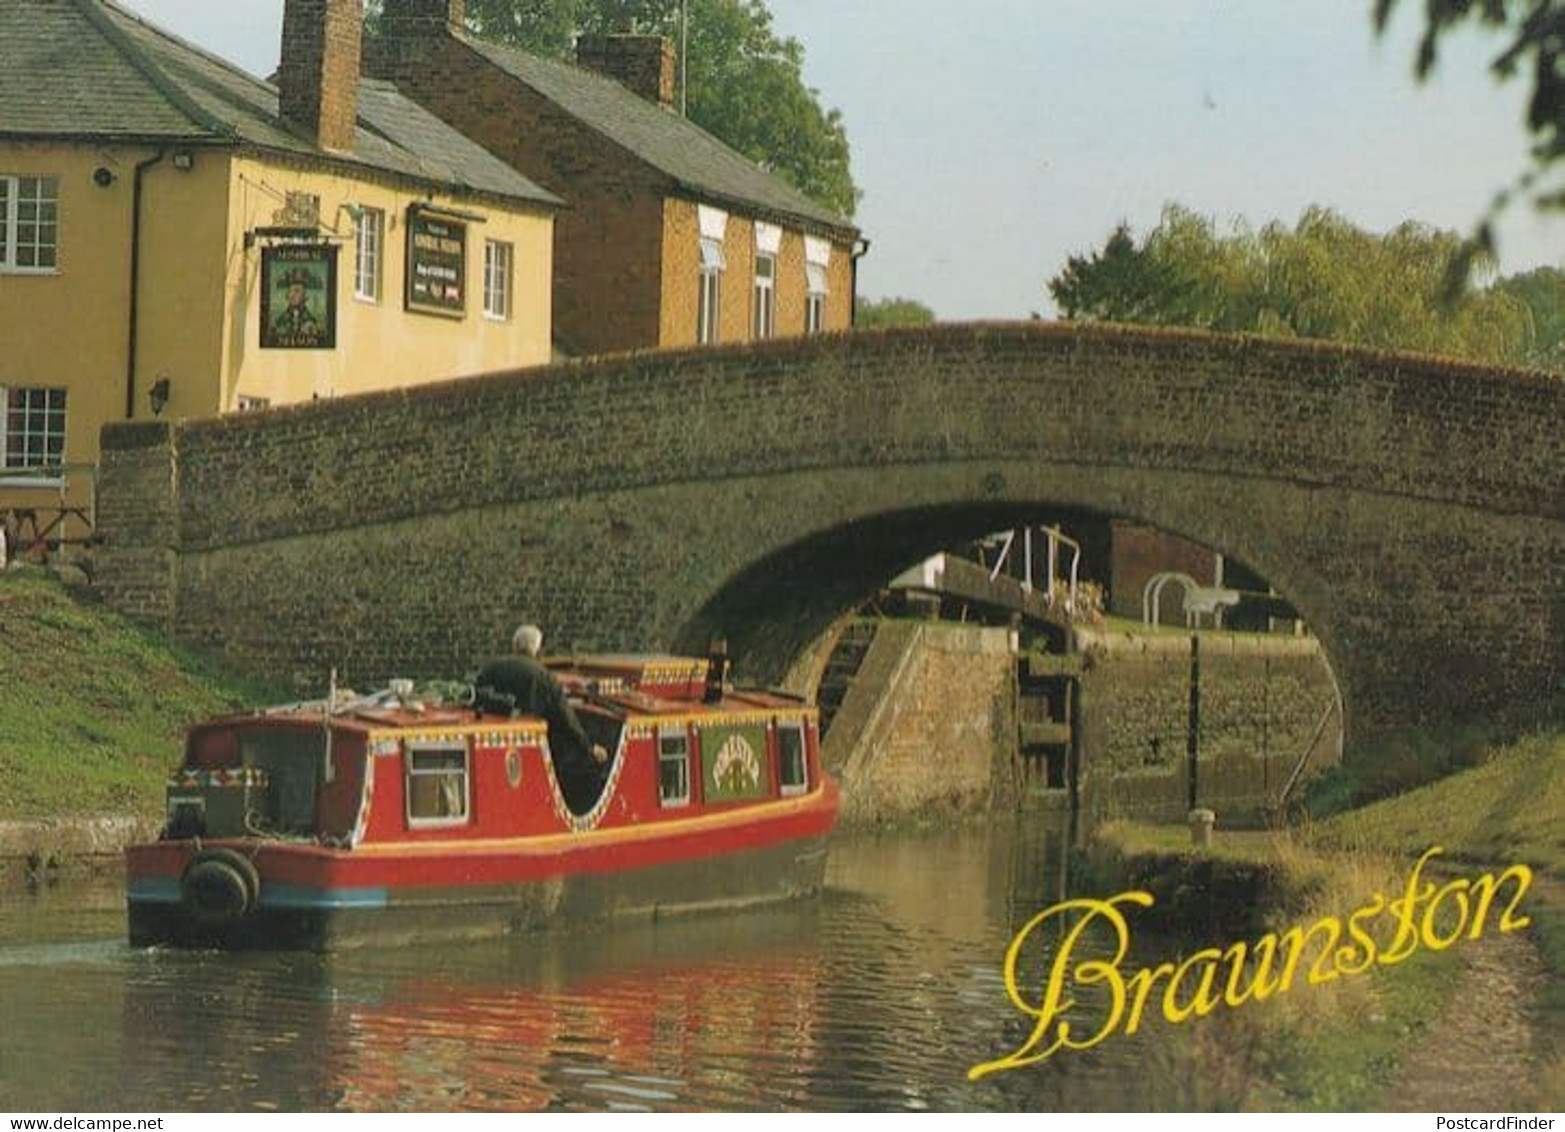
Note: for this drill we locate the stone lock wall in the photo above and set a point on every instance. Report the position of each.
(943, 725)
(1262, 700)
(1413, 510)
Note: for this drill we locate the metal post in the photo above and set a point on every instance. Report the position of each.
(1054, 558)
(684, 57)
(1193, 723)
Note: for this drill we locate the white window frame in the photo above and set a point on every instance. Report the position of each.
(411, 751)
(681, 737)
(709, 300)
(46, 432)
(47, 193)
(763, 321)
(814, 313)
(498, 259)
(369, 261)
(788, 789)
(817, 267)
(245, 403)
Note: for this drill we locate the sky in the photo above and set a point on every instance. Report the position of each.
(992, 139)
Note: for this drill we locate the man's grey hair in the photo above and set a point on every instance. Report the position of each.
(528, 640)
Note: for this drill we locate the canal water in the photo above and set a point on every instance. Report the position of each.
(880, 994)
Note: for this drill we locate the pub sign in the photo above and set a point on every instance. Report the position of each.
(299, 297)
(437, 264)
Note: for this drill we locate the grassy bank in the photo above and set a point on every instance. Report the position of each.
(1509, 810)
(91, 708)
(1340, 1046)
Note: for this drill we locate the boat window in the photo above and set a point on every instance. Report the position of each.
(437, 784)
(792, 775)
(674, 768)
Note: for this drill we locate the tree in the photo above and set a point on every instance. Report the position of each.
(1324, 278)
(892, 312)
(745, 82)
(1534, 31)
(1543, 290)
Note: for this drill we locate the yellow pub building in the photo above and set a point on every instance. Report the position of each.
(181, 239)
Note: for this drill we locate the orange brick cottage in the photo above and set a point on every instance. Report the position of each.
(671, 238)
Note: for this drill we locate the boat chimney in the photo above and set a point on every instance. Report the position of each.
(716, 670)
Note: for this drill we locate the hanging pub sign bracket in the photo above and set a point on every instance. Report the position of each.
(281, 234)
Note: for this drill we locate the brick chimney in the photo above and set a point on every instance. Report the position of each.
(644, 64)
(318, 75)
(413, 18)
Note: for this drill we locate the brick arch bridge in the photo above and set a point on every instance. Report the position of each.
(1413, 509)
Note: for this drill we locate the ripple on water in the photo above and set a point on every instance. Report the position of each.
(878, 995)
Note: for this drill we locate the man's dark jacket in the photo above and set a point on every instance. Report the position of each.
(522, 685)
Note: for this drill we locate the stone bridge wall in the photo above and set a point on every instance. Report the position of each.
(1411, 508)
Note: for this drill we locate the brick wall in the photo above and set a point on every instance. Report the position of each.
(942, 724)
(318, 78)
(607, 241)
(643, 64)
(1261, 702)
(1139, 553)
(138, 521)
(626, 247)
(1410, 508)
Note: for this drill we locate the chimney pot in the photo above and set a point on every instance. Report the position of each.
(423, 17)
(644, 64)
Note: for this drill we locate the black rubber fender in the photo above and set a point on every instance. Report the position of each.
(219, 885)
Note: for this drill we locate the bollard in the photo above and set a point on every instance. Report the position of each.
(1201, 822)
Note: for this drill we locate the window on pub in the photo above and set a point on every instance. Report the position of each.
(792, 774)
(764, 324)
(29, 224)
(673, 768)
(815, 298)
(32, 431)
(709, 302)
(369, 262)
(437, 784)
(497, 279)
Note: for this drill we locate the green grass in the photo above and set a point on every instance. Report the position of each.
(1509, 810)
(1337, 1050)
(92, 709)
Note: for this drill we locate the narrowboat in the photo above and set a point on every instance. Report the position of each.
(411, 815)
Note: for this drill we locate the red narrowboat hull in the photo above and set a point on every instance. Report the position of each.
(318, 898)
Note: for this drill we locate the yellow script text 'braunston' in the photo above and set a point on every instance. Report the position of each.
(1334, 946)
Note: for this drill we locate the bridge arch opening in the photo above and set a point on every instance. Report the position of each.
(1270, 685)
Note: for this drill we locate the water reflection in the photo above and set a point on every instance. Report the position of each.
(878, 995)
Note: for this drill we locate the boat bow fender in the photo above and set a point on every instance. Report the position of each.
(220, 885)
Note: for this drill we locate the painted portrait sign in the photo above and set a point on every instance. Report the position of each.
(299, 297)
(437, 264)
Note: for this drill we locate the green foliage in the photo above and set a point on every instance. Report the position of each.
(746, 84)
(1543, 291)
(892, 312)
(1534, 35)
(1325, 278)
